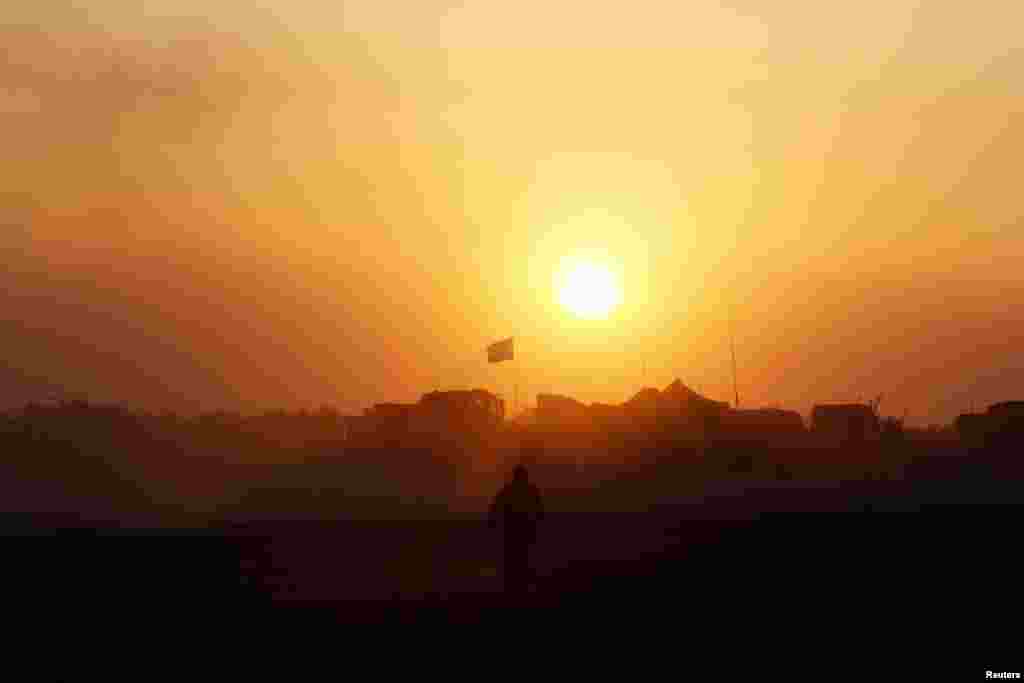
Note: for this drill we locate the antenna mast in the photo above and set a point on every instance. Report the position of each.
(732, 348)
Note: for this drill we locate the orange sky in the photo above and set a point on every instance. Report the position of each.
(246, 208)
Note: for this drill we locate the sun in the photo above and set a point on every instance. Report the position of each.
(588, 289)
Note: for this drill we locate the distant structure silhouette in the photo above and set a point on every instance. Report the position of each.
(765, 425)
(561, 412)
(971, 428)
(676, 410)
(845, 423)
(1004, 426)
(517, 510)
(437, 414)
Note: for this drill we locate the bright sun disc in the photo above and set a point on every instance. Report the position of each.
(589, 290)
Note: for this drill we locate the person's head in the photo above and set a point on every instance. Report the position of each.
(519, 473)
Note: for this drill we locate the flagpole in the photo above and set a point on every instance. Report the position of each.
(519, 374)
(515, 380)
(499, 352)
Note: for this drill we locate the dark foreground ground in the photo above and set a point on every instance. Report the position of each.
(889, 552)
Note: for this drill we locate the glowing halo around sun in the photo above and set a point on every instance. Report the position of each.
(588, 289)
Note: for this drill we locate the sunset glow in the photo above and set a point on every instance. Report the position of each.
(373, 194)
(589, 290)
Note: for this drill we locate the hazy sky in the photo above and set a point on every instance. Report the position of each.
(225, 205)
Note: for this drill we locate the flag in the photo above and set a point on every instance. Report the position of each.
(499, 351)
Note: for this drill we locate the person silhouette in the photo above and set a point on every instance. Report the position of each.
(517, 509)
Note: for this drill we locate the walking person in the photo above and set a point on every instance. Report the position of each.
(517, 510)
